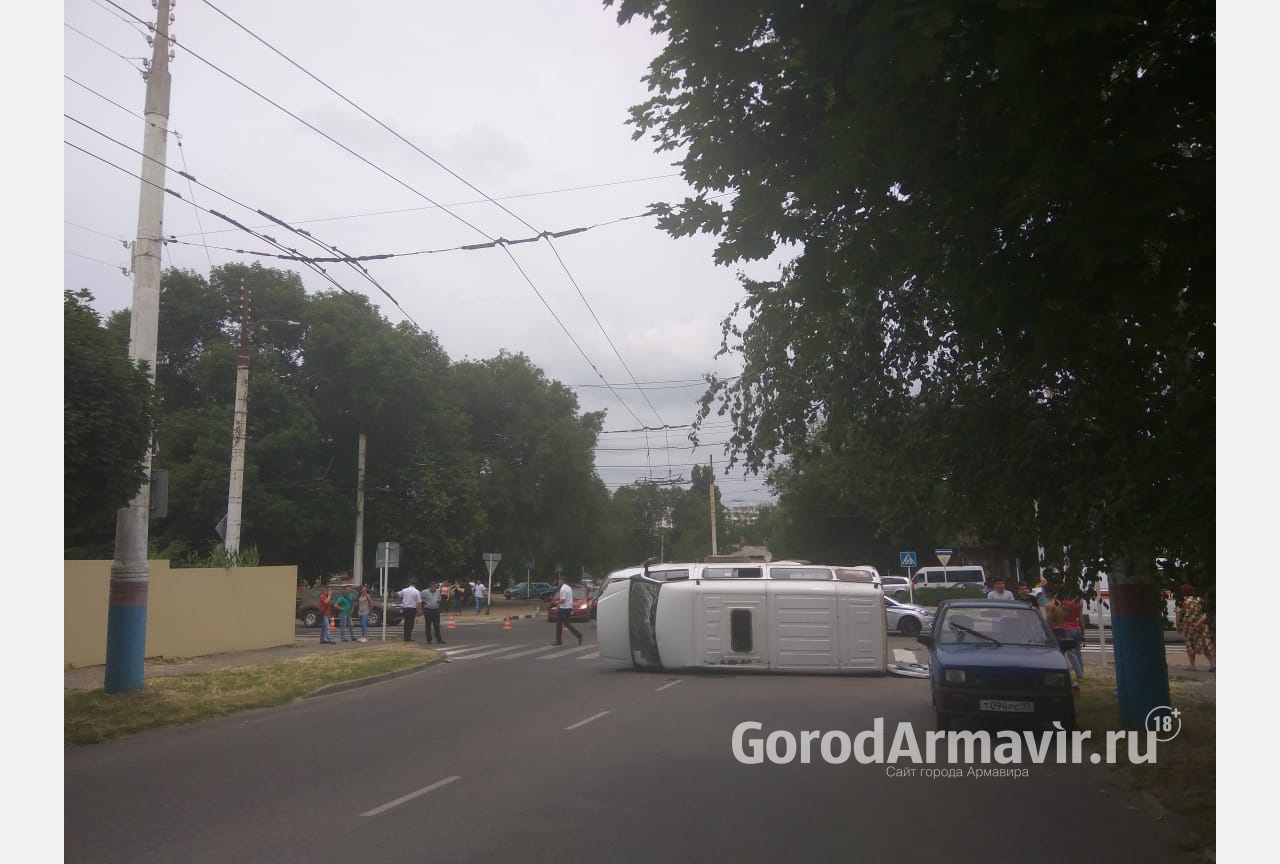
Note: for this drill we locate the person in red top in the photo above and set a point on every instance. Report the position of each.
(1073, 627)
(326, 610)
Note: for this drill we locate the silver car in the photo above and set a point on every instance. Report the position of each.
(906, 619)
(896, 587)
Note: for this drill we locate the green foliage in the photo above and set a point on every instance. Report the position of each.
(218, 556)
(108, 419)
(1004, 296)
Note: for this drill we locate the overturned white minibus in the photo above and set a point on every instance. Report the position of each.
(772, 617)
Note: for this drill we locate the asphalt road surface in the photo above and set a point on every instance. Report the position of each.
(517, 751)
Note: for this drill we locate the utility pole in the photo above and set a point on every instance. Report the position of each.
(357, 571)
(127, 599)
(239, 429)
(711, 466)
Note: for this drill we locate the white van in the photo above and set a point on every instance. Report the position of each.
(964, 576)
(767, 617)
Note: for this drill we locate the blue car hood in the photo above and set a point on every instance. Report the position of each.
(1033, 657)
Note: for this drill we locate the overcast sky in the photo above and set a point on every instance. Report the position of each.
(526, 101)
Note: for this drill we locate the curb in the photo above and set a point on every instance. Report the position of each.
(339, 686)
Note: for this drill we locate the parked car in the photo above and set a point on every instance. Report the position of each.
(593, 599)
(997, 659)
(897, 587)
(528, 590)
(581, 605)
(907, 619)
(308, 608)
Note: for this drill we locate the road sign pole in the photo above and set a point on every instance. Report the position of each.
(911, 587)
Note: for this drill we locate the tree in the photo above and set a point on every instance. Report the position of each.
(1005, 215)
(107, 422)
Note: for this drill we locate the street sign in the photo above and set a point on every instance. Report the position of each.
(491, 560)
(944, 555)
(388, 554)
(906, 559)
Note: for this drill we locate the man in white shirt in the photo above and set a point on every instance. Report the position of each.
(431, 611)
(479, 592)
(410, 597)
(564, 613)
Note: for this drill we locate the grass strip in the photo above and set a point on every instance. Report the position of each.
(91, 715)
(1183, 778)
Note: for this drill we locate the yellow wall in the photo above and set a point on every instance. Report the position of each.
(191, 612)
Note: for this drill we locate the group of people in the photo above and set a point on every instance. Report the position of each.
(431, 600)
(344, 606)
(1065, 619)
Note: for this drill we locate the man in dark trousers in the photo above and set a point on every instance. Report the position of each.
(431, 612)
(410, 597)
(565, 612)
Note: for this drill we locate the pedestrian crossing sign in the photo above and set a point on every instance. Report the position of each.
(906, 559)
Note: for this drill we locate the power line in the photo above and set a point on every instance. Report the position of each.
(468, 203)
(400, 182)
(128, 111)
(297, 256)
(99, 233)
(478, 191)
(186, 172)
(123, 270)
(222, 216)
(100, 45)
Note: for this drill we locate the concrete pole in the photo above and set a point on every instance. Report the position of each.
(239, 429)
(711, 464)
(127, 598)
(358, 570)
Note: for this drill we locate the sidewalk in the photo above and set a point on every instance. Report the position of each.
(91, 676)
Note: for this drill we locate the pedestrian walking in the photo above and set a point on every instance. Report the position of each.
(459, 595)
(325, 602)
(364, 605)
(564, 611)
(431, 612)
(1193, 621)
(346, 600)
(480, 595)
(410, 600)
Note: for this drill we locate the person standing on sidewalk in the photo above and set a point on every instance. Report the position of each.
(344, 604)
(324, 601)
(564, 613)
(1194, 624)
(410, 600)
(459, 594)
(480, 595)
(364, 605)
(1073, 627)
(431, 612)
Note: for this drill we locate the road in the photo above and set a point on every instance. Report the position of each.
(518, 751)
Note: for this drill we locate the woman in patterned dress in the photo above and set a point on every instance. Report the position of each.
(1194, 624)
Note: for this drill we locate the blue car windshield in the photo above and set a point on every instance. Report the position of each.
(994, 626)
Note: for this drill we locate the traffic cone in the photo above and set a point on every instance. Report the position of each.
(506, 623)
(450, 627)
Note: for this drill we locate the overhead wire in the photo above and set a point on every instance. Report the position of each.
(123, 270)
(323, 273)
(107, 48)
(475, 189)
(296, 255)
(400, 182)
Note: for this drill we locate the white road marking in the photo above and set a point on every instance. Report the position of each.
(585, 722)
(566, 652)
(454, 652)
(489, 653)
(537, 650)
(590, 656)
(404, 798)
(668, 684)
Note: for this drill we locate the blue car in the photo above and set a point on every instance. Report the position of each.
(997, 659)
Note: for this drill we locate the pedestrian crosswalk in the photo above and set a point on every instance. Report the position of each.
(493, 651)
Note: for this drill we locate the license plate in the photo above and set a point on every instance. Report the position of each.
(1003, 705)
